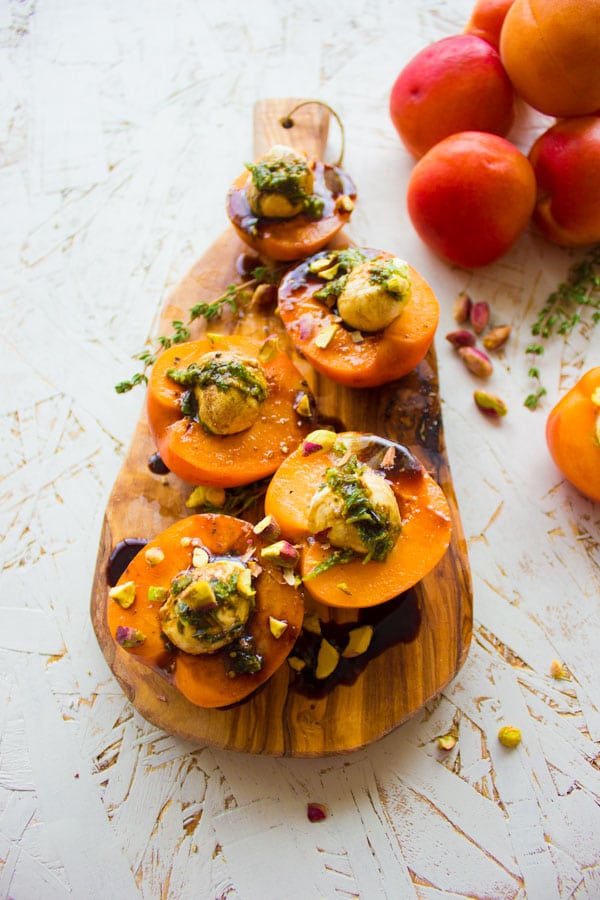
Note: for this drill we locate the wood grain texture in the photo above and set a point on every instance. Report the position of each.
(278, 719)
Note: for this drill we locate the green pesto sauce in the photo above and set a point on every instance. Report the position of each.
(372, 522)
(243, 658)
(285, 177)
(204, 620)
(222, 374)
(343, 262)
(389, 275)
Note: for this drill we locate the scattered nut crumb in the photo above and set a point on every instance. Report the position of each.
(316, 812)
(509, 736)
(557, 670)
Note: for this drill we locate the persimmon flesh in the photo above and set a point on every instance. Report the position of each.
(573, 434)
(424, 515)
(227, 460)
(343, 354)
(207, 679)
(287, 239)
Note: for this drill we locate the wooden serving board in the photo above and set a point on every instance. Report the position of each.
(280, 719)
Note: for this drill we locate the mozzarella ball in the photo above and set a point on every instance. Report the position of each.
(375, 294)
(211, 610)
(280, 183)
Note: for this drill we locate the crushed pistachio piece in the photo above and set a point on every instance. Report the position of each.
(312, 624)
(124, 594)
(268, 528)
(509, 736)
(345, 202)
(321, 439)
(389, 458)
(199, 557)
(154, 556)
(126, 636)
(295, 663)
(316, 812)
(557, 670)
(281, 552)
(290, 577)
(277, 627)
(329, 273)
(359, 641)
(447, 741)
(206, 496)
(326, 335)
(269, 349)
(157, 594)
(303, 407)
(317, 265)
(244, 584)
(327, 659)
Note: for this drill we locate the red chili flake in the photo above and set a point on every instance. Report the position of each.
(316, 812)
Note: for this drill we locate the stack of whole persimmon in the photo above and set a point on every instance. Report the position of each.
(472, 191)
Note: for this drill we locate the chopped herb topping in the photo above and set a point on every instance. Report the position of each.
(372, 522)
(180, 583)
(391, 274)
(335, 558)
(563, 311)
(205, 613)
(243, 658)
(224, 375)
(286, 176)
(339, 265)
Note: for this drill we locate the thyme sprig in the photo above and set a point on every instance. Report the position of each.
(236, 296)
(563, 310)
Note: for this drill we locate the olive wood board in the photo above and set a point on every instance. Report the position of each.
(279, 719)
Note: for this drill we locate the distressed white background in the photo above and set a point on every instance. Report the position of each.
(121, 125)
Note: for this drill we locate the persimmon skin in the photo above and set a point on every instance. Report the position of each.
(486, 20)
(225, 460)
(203, 679)
(285, 240)
(380, 357)
(471, 197)
(550, 50)
(572, 438)
(424, 511)
(566, 162)
(455, 84)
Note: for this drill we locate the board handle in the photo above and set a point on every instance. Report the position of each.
(308, 133)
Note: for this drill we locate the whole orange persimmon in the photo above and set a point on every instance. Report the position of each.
(455, 84)
(487, 18)
(470, 197)
(566, 162)
(573, 434)
(551, 51)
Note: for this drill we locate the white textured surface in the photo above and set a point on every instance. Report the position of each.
(121, 126)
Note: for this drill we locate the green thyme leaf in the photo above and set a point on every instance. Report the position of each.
(236, 296)
(575, 302)
(338, 556)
